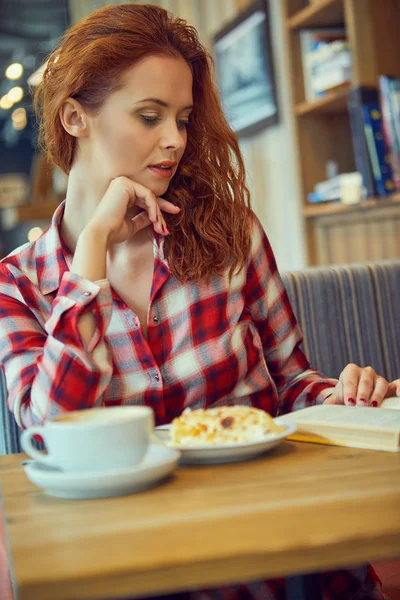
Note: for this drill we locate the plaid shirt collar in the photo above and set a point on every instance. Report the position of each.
(53, 257)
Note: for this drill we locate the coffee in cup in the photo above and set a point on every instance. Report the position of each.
(96, 439)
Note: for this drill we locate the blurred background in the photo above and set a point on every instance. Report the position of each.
(29, 30)
(311, 87)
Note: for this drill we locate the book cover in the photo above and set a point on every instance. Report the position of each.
(360, 147)
(378, 153)
(390, 106)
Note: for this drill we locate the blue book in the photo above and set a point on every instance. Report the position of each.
(355, 100)
(380, 160)
(390, 106)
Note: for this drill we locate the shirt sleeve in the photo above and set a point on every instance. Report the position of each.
(48, 368)
(297, 384)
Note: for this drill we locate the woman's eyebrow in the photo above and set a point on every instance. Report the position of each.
(161, 103)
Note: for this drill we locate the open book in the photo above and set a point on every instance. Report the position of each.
(356, 427)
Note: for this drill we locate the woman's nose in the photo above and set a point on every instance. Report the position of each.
(173, 136)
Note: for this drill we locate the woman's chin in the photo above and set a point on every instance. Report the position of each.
(158, 189)
(150, 182)
(156, 183)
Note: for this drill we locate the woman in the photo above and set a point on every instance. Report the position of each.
(155, 283)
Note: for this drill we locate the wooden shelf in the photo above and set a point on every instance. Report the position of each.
(313, 211)
(337, 233)
(32, 212)
(321, 14)
(333, 102)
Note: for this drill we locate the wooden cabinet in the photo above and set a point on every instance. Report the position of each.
(338, 233)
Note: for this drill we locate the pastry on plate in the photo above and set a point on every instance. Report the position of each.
(222, 425)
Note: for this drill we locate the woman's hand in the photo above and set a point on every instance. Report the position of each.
(394, 389)
(362, 387)
(116, 218)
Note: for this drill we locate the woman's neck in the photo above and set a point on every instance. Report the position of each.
(82, 199)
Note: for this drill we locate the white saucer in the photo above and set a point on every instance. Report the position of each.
(225, 453)
(159, 462)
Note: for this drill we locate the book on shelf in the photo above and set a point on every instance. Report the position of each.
(380, 161)
(346, 188)
(326, 60)
(354, 427)
(371, 154)
(390, 105)
(360, 147)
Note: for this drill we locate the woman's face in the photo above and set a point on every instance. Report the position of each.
(142, 124)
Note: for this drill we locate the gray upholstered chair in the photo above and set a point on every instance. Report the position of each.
(9, 438)
(349, 313)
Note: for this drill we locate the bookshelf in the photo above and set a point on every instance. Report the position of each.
(318, 14)
(335, 208)
(333, 102)
(323, 132)
(31, 212)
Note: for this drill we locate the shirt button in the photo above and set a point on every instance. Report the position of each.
(155, 319)
(87, 293)
(157, 377)
(132, 320)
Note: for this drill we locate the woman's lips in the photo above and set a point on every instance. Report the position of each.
(162, 172)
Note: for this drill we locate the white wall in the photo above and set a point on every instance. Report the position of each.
(269, 156)
(272, 167)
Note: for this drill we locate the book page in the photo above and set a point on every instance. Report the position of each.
(391, 403)
(347, 417)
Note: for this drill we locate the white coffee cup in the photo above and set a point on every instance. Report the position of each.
(97, 439)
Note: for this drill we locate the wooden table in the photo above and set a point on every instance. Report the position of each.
(299, 508)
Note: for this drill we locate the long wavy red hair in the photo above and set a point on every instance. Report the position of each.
(212, 232)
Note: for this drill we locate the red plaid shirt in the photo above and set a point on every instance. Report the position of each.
(208, 344)
(220, 343)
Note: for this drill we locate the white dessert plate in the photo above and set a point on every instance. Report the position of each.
(224, 453)
(159, 462)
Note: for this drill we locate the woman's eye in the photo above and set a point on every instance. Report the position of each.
(152, 121)
(183, 124)
(149, 121)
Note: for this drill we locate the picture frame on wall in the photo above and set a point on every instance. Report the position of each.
(244, 68)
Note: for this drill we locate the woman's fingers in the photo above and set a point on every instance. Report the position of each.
(349, 379)
(140, 221)
(144, 198)
(362, 387)
(366, 386)
(167, 206)
(379, 391)
(393, 389)
(114, 208)
(372, 388)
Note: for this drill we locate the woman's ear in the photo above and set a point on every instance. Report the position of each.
(73, 118)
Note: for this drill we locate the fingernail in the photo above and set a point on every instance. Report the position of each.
(363, 401)
(351, 401)
(374, 403)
